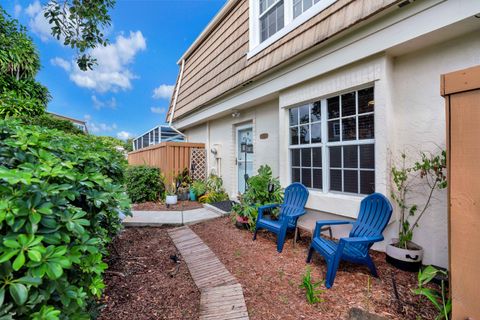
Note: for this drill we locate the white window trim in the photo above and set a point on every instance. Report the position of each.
(325, 144)
(255, 46)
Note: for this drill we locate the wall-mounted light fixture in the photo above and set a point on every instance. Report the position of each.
(235, 114)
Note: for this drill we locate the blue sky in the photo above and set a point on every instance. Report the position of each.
(129, 91)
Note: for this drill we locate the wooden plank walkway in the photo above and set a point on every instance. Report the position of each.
(221, 296)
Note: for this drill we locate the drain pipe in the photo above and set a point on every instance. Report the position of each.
(176, 93)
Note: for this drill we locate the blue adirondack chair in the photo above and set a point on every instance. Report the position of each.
(293, 206)
(375, 212)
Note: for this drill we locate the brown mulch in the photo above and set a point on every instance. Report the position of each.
(159, 206)
(139, 281)
(271, 280)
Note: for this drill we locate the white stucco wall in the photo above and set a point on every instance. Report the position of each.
(409, 115)
(221, 134)
(421, 125)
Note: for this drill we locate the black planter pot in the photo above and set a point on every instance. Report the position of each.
(183, 196)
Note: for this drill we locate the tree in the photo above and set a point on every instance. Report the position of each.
(20, 94)
(79, 23)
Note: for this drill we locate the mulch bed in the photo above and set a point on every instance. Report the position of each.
(159, 206)
(271, 280)
(139, 281)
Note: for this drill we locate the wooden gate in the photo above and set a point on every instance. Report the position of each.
(462, 93)
(170, 157)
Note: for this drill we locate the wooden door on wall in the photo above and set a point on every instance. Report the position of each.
(461, 90)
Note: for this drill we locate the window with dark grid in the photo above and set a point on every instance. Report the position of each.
(346, 149)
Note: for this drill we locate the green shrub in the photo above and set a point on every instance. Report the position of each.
(14, 105)
(312, 293)
(257, 195)
(214, 190)
(144, 184)
(439, 298)
(20, 94)
(48, 121)
(199, 188)
(115, 143)
(60, 199)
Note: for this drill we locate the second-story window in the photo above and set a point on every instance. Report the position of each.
(271, 18)
(300, 6)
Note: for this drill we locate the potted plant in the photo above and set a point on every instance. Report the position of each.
(429, 173)
(183, 181)
(214, 191)
(183, 191)
(197, 189)
(262, 189)
(240, 213)
(171, 197)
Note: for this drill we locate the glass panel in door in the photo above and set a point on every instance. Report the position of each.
(244, 156)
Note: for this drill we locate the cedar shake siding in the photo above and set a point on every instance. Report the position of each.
(219, 64)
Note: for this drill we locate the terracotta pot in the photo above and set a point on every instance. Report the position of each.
(241, 222)
(405, 259)
(242, 219)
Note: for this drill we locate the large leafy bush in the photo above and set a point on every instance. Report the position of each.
(144, 183)
(20, 94)
(60, 199)
(48, 121)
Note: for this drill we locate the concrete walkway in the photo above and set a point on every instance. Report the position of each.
(159, 218)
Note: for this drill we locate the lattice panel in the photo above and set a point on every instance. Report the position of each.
(198, 159)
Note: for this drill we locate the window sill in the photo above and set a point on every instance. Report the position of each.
(339, 204)
(304, 17)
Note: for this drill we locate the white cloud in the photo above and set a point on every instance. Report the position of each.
(101, 127)
(38, 23)
(87, 117)
(158, 110)
(62, 63)
(111, 73)
(99, 104)
(124, 135)
(17, 9)
(33, 8)
(164, 91)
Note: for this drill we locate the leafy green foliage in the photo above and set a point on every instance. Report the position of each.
(129, 145)
(20, 94)
(114, 142)
(431, 171)
(438, 298)
(60, 199)
(80, 24)
(199, 188)
(48, 121)
(312, 293)
(144, 183)
(257, 195)
(214, 190)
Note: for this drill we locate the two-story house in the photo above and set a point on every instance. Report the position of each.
(328, 93)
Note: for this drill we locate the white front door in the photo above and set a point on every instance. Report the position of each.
(244, 155)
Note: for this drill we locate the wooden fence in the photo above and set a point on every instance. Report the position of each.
(170, 157)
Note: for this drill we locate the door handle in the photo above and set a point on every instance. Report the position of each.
(236, 161)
